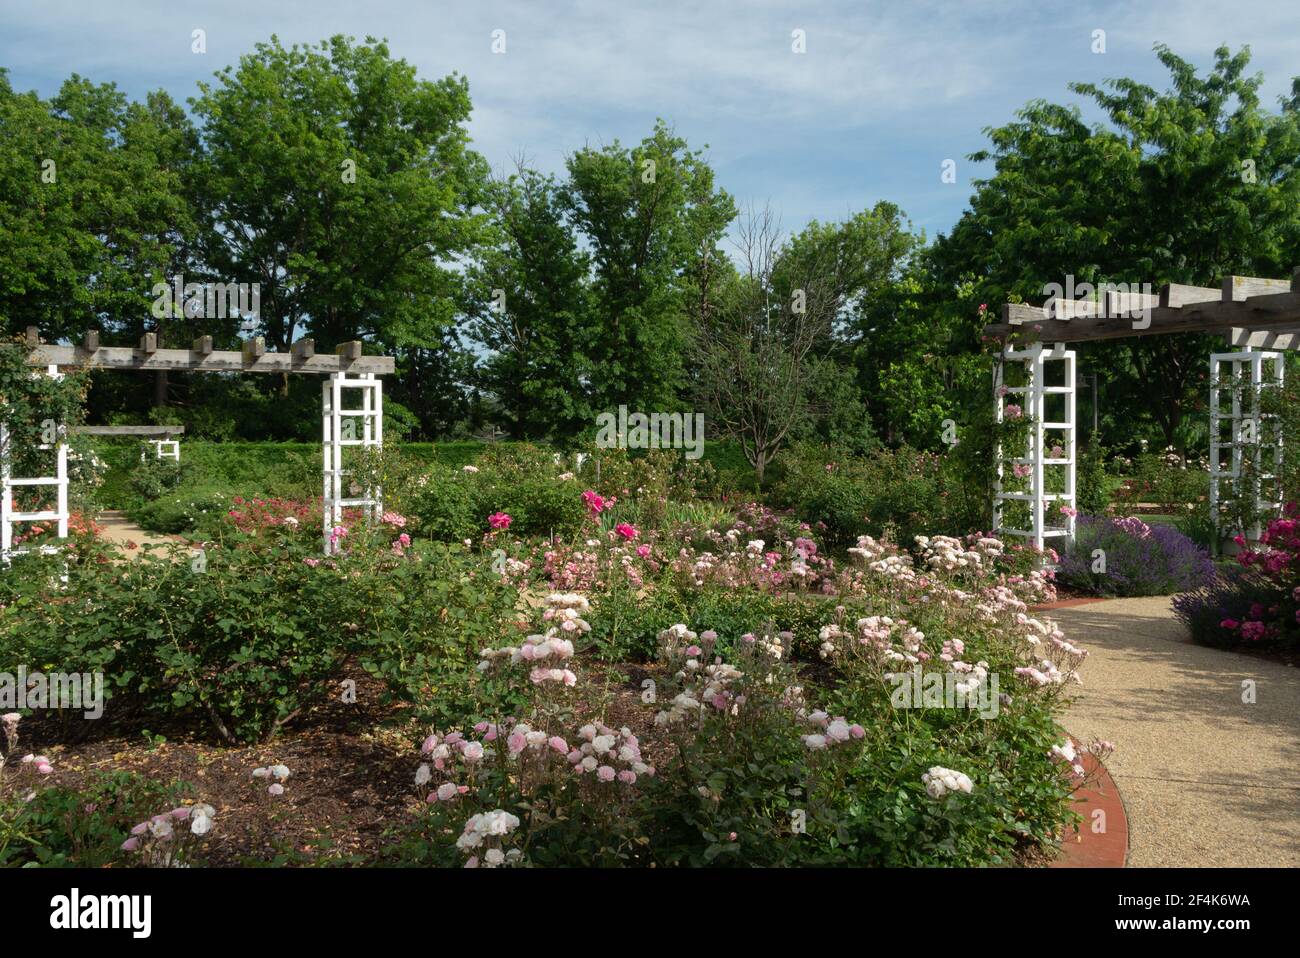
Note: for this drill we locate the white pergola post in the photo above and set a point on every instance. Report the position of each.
(9, 517)
(1035, 455)
(1245, 372)
(339, 430)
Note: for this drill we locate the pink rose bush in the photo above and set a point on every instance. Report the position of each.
(169, 840)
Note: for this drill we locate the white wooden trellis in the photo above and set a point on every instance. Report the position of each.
(348, 367)
(1246, 423)
(9, 516)
(164, 449)
(1035, 455)
(341, 428)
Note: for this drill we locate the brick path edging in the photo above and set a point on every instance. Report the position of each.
(1084, 848)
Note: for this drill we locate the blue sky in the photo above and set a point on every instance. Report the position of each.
(885, 92)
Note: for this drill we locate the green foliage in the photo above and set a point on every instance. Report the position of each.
(36, 409)
(81, 827)
(384, 158)
(1170, 164)
(255, 630)
(901, 493)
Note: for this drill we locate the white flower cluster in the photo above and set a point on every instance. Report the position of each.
(828, 636)
(486, 830)
(883, 559)
(868, 550)
(604, 750)
(277, 773)
(1045, 673)
(974, 676)
(1066, 752)
(545, 650)
(705, 684)
(948, 554)
(834, 731)
(939, 781)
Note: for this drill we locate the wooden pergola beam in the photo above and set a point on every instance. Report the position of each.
(128, 430)
(207, 360)
(1271, 311)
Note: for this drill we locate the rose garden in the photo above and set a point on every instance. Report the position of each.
(423, 624)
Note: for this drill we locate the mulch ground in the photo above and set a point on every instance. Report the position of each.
(352, 771)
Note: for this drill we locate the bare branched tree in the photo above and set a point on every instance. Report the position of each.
(758, 348)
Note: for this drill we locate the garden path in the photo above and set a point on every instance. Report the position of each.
(1206, 779)
(121, 531)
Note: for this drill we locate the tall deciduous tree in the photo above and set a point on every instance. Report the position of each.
(532, 310)
(345, 186)
(1183, 186)
(93, 206)
(652, 217)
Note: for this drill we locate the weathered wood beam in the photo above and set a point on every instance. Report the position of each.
(33, 337)
(128, 430)
(149, 343)
(203, 345)
(304, 348)
(1175, 295)
(90, 342)
(125, 357)
(253, 349)
(1237, 288)
(1014, 314)
(1287, 337)
(1071, 308)
(1273, 311)
(350, 350)
(1118, 305)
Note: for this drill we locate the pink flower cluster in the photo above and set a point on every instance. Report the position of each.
(1277, 562)
(163, 841)
(609, 755)
(548, 650)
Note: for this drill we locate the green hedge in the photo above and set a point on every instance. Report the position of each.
(266, 468)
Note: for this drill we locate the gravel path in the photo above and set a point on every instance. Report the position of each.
(1207, 780)
(121, 530)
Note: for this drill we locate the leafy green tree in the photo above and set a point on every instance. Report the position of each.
(1183, 186)
(653, 220)
(93, 207)
(532, 308)
(345, 186)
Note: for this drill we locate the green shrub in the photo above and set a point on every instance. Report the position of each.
(82, 827)
(255, 631)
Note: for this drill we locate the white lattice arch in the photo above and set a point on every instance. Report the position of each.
(348, 369)
(1036, 457)
(11, 518)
